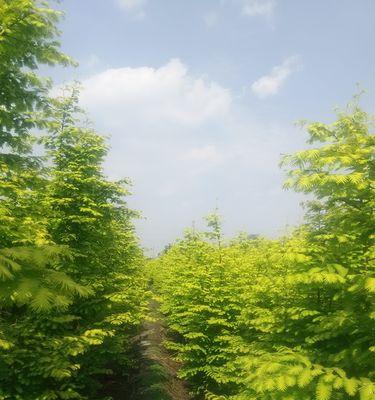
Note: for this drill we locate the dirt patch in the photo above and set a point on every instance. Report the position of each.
(155, 377)
(158, 377)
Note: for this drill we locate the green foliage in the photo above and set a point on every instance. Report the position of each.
(30, 276)
(290, 318)
(261, 319)
(86, 298)
(70, 292)
(27, 39)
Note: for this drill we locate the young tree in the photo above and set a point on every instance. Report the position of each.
(320, 341)
(27, 39)
(289, 319)
(46, 337)
(90, 216)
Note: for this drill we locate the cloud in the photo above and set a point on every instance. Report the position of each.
(203, 160)
(204, 153)
(269, 85)
(136, 7)
(168, 93)
(262, 8)
(185, 141)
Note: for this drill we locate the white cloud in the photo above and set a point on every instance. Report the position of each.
(269, 85)
(168, 93)
(254, 8)
(133, 6)
(203, 160)
(205, 153)
(185, 141)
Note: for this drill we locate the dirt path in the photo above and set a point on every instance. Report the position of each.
(157, 378)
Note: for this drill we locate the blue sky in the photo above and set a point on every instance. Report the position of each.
(200, 98)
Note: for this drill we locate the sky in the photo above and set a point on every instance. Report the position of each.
(200, 99)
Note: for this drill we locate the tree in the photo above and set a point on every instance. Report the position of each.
(320, 343)
(47, 266)
(291, 318)
(90, 216)
(27, 39)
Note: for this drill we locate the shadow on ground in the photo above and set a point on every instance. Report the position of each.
(155, 377)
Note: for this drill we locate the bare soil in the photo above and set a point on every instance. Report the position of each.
(155, 377)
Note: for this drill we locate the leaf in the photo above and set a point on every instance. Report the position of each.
(367, 391)
(304, 378)
(323, 390)
(350, 386)
(370, 285)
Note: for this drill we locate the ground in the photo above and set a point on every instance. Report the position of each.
(155, 377)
